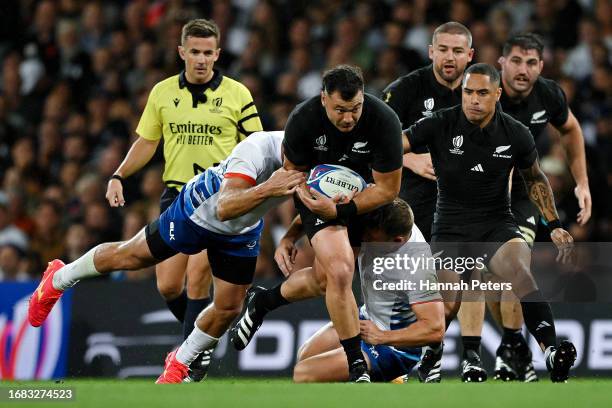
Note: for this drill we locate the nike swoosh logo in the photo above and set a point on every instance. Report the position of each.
(42, 284)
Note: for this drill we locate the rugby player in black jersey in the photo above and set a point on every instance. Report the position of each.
(474, 148)
(535, 102)
(415, 96)
(347, 127)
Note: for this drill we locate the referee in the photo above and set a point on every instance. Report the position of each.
(201, 115)
(474, 148)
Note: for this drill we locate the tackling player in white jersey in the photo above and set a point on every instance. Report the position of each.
(220, 210)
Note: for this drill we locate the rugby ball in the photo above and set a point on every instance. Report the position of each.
(332, 179)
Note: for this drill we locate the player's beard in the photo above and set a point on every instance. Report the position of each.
(523, 86)
(452, 77)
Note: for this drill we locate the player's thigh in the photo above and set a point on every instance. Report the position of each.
(324, 339)
(232, 276)
(171, 275)
(511, 263)
(330, 366)
(333, 251)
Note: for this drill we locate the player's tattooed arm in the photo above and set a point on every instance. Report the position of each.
(540, 192)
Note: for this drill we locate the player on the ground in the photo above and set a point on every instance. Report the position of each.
(415, 96)
(535, 102)
(220, 210)
(474, 148)
(201, 115)
(395, 323)
(347, 127)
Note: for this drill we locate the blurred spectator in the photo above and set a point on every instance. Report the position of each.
(9, 233)
(78, 241)
(11, 265)
(48, 239)
(75, 76)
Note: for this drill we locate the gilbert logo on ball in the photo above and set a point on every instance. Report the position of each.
(332, 179)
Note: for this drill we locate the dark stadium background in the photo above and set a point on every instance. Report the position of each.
(76, 75)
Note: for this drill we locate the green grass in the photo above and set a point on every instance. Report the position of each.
(269, 393)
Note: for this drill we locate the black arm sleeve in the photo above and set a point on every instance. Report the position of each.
(398, 95)
(420, 133)
(524, 148)
(559, 110)
(295, 142)
(387, 156)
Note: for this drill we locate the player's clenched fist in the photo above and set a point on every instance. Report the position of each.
(370, 333)
(114, 193)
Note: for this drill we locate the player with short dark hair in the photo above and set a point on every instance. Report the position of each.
(348, 127)
(415, 96)
(201, 115)
(474, 148)
(394, 324)
(418, 95)
(535, 102)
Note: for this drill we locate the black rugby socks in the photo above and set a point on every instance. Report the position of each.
(513, 337)
(178, 306)
(539, 319)
(269, 300)
(193, 309)
(471, 343)
(352, 348)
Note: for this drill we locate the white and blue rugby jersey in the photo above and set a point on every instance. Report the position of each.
(390, 309)
(254, 159)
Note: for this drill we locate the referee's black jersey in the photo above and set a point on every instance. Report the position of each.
(415, 96)
(375, 143)
(546, 103)
(473, 164)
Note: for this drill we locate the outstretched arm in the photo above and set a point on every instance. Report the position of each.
(238, 196)
(573, 143)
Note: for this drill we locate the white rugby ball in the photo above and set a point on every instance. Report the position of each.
(332, 179)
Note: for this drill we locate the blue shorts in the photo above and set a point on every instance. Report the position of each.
(387, 363)
(185, 236)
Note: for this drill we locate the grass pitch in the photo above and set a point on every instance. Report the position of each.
(271, 393)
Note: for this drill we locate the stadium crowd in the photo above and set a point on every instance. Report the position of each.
(76, 76)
